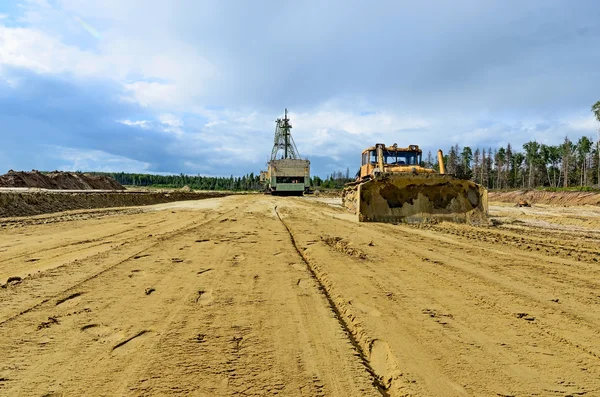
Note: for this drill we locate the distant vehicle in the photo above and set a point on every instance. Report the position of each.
(287, 173)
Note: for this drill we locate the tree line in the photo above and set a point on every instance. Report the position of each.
(248, 182)
(537, 165)
(564, 165)
(335, 180)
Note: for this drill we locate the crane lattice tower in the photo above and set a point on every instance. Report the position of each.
(283, 140)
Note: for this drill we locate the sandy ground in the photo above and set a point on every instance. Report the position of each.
(259, 295)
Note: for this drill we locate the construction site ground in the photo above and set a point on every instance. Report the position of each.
(257, 295)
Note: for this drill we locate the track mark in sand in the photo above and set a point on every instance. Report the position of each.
(383, 362)
(525, 316)
(355, 336)
(47, 324)
(13, 280)
(343, 246)
(204, 297)
(203, 271)
(141, 256)
(365, 309)
(102, 333)
(438, 317)
(304, 284)
(237, 343)
(162, 238)
(66, 298)
(200, 338)
(32, 260)
(131, 342)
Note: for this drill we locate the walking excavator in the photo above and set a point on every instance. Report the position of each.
(392, 186)
(287, 173)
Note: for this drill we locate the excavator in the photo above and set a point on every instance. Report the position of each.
(393, 187)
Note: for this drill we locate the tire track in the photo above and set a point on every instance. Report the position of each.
(161, 239)
(76, 243)
(365, 346)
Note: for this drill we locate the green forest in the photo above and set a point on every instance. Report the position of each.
(569, 164)
(248, 182)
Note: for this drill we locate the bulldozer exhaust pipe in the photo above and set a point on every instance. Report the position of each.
(441, 162)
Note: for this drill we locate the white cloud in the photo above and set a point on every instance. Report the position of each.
(170, 120)
(583, 123)
(144, 124)
(165, 123)
(94, 160)
(3, 16)
(42, 53)
(156, 95)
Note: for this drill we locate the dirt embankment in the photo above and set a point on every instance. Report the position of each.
(58, 180)
(546, 197)
(36, 203)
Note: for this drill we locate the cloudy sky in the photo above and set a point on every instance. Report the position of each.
(194, 86)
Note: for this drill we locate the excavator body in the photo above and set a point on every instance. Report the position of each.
(392, 186)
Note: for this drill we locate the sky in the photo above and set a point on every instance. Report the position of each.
(195, 86)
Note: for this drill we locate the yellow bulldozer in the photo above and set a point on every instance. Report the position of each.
(393, 187)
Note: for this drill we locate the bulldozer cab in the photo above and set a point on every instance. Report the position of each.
(392, 156)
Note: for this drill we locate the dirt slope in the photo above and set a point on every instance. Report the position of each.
(58, 180)
(259, 295)
(544, 197)
(29, 203)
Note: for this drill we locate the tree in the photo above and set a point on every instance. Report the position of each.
(476, 166)
(429, 160)
(550, 156)
(532, 150)
(566, 150)
(517, 164)
(596, 111)
(452, 162)
(584, 147)
(509, 166)
(466, 157)
(500, 161)
(484, 171)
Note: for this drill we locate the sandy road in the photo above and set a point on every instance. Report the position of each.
(256, 295)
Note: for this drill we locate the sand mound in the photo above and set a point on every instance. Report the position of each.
(547, 197)
(58, 180)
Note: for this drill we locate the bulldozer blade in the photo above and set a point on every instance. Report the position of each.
(418, 198)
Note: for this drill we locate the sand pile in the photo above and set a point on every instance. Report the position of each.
(547, 197)
(58, 180)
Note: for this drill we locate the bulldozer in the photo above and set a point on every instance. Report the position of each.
(392, 186)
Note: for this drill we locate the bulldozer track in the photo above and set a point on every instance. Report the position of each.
(360, 343)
